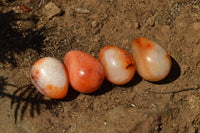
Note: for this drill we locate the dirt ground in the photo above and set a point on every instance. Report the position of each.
(30, 30)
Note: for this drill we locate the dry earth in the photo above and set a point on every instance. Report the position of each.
(30, 30)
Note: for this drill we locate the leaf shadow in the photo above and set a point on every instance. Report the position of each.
(27, 98)
(14, 41)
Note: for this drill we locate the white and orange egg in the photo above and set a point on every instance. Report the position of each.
(50, 77)
(153, 63)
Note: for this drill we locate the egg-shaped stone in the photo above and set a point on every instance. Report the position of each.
(119, 65)
(86, 73)
(153, 63)
(50, 77)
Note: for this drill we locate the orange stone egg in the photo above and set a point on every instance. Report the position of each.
(153, 63)
(50, 77)
(86, 73)
(118, 64)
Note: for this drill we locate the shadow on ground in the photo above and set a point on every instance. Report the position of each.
(28, 97)
(108, 86)
(13, 41)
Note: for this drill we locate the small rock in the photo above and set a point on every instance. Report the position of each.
(94, 24)
(133, 105)
(82, 10)
(136, 25)
(50, 10)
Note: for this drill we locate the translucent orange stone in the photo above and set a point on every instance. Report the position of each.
(153, 63)
(50, 77)
(118, 64)
(86, 73)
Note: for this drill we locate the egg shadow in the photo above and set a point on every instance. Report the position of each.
(108, 86)
(71, 95)
(134, 81)
(173, 75)
(105, 88)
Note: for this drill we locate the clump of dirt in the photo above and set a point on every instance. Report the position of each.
(34, 29)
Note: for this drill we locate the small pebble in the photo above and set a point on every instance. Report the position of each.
(94, 24)
(133, 105)
(50, 10)
(82, 10)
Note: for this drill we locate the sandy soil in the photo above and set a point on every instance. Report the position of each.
(30, 30)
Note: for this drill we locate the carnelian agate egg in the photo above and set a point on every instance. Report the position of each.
(153, 63)
(118, 64)
(86, 73)
(50, 77)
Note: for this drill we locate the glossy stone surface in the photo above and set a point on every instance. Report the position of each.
(118, 64)
(50, 77)
(86, 73)
(153, 63)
